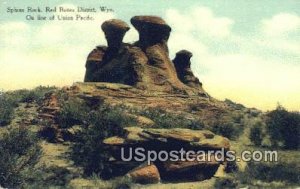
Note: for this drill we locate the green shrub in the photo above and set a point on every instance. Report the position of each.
(226, 183)
(74, 111)
(227, 129)
(28, 96)
(284, 127)
(269, 172)
(234, 105)
(48, 132)
(10, 100)
(88, 150)
(19, 153)
(165, 119)
(6, 110)
(256, 135)
(49, 177)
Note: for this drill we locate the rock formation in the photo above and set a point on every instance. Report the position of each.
(145, 134)
(168, 140)
(111, 64)
(141, 75)
(114, 31)
(144, 64)
(183, 68)
(152, 30)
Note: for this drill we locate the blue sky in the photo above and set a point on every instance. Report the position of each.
(247, 51)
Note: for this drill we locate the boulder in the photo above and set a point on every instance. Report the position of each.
(190, 170)
(145, 174)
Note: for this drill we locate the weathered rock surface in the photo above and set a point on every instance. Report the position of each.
(169, 140)
(190, 139)
(146, 174)
(206, 109)
(144, 64)
(50, 105)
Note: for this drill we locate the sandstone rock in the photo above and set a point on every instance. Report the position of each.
(189, 170)
(183, 68)
(50, 108)
(115, 141)
(193, 139)
(146, 174)
(114, 31)
(114, 25)
(221, 173)
(153, 36)
(141, 121)
(144, 121)
(184, 165)
(93, 62)
(152, 29)
(203, 166)
(144, 64)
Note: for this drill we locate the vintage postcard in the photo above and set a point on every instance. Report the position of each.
(164, 94)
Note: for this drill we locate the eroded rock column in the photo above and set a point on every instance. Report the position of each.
(182, 64)
(114, 31)
(154, 33)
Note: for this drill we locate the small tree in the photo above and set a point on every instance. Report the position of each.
(19, 152)
(88, 150)
(6, 110)
(256, 135)
(284, 127)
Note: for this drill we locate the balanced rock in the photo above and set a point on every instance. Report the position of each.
(114, 31)
(153, 37)
(144, 64)
(152, 29)
(183, 68)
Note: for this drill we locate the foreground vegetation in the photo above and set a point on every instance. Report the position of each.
(10, 100)
(21, 151)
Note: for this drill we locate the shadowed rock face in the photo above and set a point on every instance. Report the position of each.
(152, 30)
(144, 64)
(183, 68)
(110, 64)
(114, 31)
